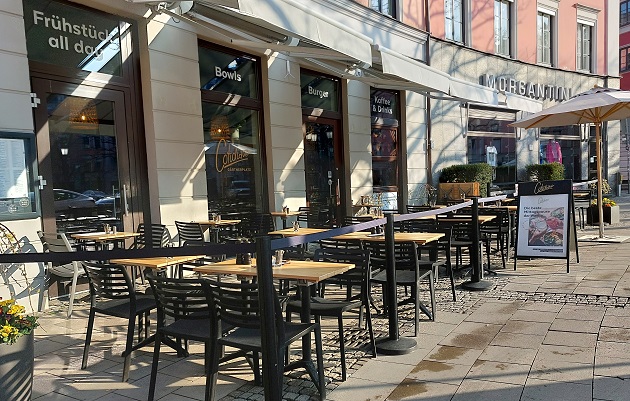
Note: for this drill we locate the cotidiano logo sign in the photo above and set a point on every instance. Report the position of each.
(228, 156)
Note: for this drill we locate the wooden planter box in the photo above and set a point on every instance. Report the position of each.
(454, 191)
(611, 215)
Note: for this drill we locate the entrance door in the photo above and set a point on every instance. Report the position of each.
(83, 157)
(322, 165)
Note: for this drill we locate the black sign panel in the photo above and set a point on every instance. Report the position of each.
(384, 107)
(228, 73)
(319, 92)
(68, 36)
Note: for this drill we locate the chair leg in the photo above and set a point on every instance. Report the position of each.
(88, 339)
(154, 366)
(320, 363)
(73, 288)
(449, 269)
(368, 318)
(128, 348)
(416, 322)
(211, 378)
(342, 348)
(432, 295)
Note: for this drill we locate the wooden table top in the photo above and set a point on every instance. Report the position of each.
(102, 236)
(219, 223)
(511, 208)
(290, 232)
(157, 262)
(418, 238)
(466, 218)
(286, 214)
(304, 271)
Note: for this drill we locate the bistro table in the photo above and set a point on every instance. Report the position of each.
(291, 232)
(216, 225)
(306, 273)
(285, 215)
(103, 237)
(157, 262)
(420, 238)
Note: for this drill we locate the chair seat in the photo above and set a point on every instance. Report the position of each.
(196, 330)
(120, 307)
(402, 277)
(324, 306)
(250, 339)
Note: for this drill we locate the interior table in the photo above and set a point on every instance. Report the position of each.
(305, 273)
(284, 216)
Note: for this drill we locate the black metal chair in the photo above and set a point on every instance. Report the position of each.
(238, 305)
(188, 306)
(418, 208)
(58, 242)
(581, 201)
(336, 308)
(112, 293)
(151, 236)
(189, 231)
(408, 274)
(258, 224)
(496, 230)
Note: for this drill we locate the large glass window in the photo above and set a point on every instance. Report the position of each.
(387, 7)
(491, 138)
(502, 27)
(17, 184)
(584, 33)
(385, 140)
(624, 13)
(453, 18)
(562, 145)
(232, 133)
(544, 38)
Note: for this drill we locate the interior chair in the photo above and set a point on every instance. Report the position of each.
(408, 274)
(58, 242)
(112, 293)
(189, 231)
(186, 312)
(238, 305)
(336, 308)
(418, 208)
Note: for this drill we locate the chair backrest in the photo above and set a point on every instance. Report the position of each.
(238, 304)
(108, 282)
(258, 224)
(330, 243)
(416, 225)
(502, 217)
(351, 220)
(58, 242)
(182, 298)
(189, 231)
(359, 257)
(159, 237)
(418, 208)
(405, 253)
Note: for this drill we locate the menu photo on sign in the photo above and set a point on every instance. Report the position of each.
(543, 221)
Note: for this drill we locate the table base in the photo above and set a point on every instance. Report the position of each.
(400, 346)
(477, 285)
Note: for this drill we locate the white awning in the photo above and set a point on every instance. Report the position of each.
(297, 20)
(472, 92)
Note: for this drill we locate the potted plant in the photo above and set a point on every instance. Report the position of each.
(16, 351)
(610, 209)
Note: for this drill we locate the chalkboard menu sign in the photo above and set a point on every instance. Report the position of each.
(545, 219)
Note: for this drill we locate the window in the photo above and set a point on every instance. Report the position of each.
(544, 38)
(386, 7)
(562, 145)
(232, 132)
(453, 15)
(385, 140)
(623, 59)
(624, 13)
(584, 33)
(18, 190)
(502, 27)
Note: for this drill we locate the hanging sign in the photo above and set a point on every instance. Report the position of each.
(545, 213)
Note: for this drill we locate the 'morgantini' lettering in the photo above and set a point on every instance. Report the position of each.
(528, 89)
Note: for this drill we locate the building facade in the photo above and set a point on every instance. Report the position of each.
(129, 111)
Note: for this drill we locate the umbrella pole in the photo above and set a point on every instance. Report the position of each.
(598, 154)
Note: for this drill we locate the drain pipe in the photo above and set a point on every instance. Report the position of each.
(429, 158)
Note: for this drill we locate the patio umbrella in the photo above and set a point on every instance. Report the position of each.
(593, 106)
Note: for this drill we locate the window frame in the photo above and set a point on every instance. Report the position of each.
(378, 7)
(626, 51)
(625, 4)
(582, 28)
(450, 21)
(508, 18)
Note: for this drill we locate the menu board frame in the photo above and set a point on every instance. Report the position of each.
(19, 197)
(546, 221)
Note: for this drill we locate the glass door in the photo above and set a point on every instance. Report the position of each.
(83, 157)
(322, 167)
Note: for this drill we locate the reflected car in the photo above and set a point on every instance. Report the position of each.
(95, 194)
(73, 203)
(240, 189)
(106, 204)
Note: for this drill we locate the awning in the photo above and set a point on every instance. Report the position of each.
(296, 20)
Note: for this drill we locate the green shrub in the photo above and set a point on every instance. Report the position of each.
(478, 172)
(545, 172)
